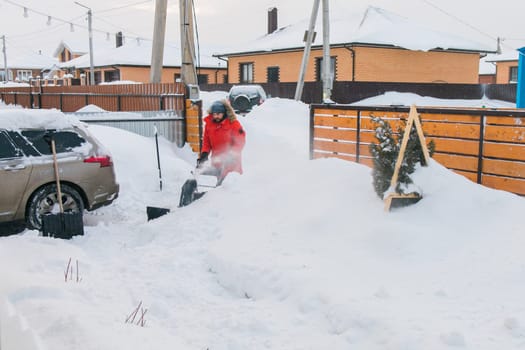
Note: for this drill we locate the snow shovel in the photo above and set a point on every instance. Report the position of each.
(189, 192)
(202, 179)
(60, 225)
(397, 200)
(155, 212)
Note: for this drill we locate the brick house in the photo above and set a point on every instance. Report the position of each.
(22, 66)
(506, 67)
(384, 47)
(131, 61)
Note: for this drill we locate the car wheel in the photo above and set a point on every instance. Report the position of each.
(242, 103)
(45, 201)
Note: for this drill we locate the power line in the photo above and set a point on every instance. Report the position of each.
(124, 6)
(71, 22)
(458, 19)
(117, 27)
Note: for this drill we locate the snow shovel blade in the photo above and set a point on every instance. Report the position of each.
(396, 200)
(155, 212)
(62, 225)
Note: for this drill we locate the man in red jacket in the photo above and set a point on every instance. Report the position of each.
(224, 138)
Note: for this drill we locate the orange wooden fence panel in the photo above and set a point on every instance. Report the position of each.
(485, 145)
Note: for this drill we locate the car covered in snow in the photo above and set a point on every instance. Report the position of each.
(244, 97)
(27, 177)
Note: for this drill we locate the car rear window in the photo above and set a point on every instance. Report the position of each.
(65, 141)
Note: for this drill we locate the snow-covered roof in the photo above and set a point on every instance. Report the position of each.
(28, 60)
(138, 53)
(81, 46)
(376, 27)
(511, 55)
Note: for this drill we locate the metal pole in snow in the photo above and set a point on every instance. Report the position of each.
(90, 30)
(158, 156)
(327, 61)
(520, 89)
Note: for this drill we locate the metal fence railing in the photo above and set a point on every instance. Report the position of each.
(169, 124)
(352, 91)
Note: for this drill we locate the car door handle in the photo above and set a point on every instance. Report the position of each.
(14, 167)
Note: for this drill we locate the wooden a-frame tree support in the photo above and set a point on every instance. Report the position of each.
(412, 119)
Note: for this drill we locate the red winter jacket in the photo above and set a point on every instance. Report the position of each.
(225, 140)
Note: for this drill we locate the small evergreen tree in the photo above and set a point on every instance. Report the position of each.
(386, 151)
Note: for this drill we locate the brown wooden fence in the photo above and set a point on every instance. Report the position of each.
(485, 145)
(117, 98)
(129, 97)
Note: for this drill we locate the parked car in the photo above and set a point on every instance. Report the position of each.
(244, 97)
(27, 177)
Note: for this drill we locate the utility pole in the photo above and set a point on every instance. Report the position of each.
(327, 61)
(188, 73)
(90, 29)
(159, 32)
(307, 49)
(6, 77)
(326, 75)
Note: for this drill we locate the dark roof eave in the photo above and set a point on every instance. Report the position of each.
(117, 65)
(300, 48)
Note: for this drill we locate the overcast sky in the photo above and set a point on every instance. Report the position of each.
(226, 22)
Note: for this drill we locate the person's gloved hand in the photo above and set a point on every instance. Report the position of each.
(202, 159)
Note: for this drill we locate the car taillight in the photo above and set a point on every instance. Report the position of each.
(104, 161)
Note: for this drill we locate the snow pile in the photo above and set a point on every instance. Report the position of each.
(293, 254)
(393, 98)
(21, 118)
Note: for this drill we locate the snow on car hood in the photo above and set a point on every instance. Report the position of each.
(15, 119)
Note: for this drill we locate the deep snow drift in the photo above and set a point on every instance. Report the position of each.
(293, 254)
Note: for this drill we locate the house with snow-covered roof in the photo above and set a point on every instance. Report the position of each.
(131, 61)
(25, 65)
(506, 66)
(377, 46)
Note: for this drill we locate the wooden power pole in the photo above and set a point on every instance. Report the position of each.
(188, 72)
(326, 75)
(307, 49)
(159, 33)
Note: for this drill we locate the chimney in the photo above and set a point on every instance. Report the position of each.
(272, 20)
(119, 39)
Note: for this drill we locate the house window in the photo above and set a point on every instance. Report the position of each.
(112, 75)
(202, 78)
(246, 72)
(272, 74)
(513, 75)
(176, 77)
(24, 74)
(9, 75)
(319, 68)
(98, 77)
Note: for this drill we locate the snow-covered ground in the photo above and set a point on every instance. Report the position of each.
(293, 254)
